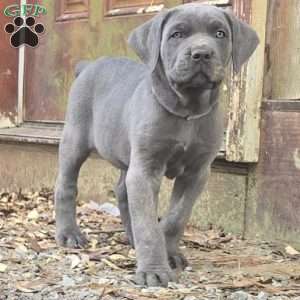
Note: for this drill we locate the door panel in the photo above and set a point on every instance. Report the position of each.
(72, 9)
(75, 30)
(49, 69)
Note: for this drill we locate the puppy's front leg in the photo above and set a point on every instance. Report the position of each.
(187, 188)
(152, 260)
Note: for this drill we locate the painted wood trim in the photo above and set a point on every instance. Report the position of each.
(281, 105)
(212, 2)
(21, 71)
(44, 133)
(243, 132)
(21, 74)
(51, 135)
(144, 7)
(30, 133)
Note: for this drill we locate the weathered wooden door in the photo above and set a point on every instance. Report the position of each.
(75, 30)
(87, 29)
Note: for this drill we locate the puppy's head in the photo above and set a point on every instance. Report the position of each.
(194, 44)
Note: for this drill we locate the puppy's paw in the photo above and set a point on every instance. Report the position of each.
(155, 278)
(178, 261)
(70, 238)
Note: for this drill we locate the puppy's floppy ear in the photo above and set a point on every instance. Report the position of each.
(145, 40)
(244, 40)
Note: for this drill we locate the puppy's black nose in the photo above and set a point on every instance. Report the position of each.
(201, 53)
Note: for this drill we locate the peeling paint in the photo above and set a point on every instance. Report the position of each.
(5, 122)
(297, 158)
(7, 72)
(135, 10)
(154, 8)
(217, 2)
(243, 132)
(114, 11)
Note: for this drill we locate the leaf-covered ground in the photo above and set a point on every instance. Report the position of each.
(222, 266)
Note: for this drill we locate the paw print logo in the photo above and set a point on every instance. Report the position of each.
(24, 32)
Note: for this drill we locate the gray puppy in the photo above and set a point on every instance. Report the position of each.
(159, 118)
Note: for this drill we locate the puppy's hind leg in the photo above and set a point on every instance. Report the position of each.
(72, 153)
(121, 194)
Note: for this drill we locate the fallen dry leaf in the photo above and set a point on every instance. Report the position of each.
(3, 268)
(110, 264)
(32, 286)
(115, 257)
(34, 245)
(21, 249)
(33, 215)
(75, 260)
(93, 243)
(291, 251)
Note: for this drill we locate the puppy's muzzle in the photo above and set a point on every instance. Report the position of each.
(197, 64)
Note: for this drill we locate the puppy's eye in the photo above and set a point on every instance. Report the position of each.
(177, 35)
(220, 34)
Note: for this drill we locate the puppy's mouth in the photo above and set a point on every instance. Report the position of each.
(201, 76)
(199, 79)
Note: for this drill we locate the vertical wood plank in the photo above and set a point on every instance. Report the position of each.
(276, 209)
(242, 141)
(283, 77)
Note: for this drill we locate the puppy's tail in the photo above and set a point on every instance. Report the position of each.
(81, 66)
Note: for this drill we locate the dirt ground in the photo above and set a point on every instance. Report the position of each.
(222, 266)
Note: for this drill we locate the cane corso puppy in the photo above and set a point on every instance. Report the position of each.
(152, 119)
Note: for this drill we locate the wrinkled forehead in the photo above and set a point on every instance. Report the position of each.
(197, 16)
